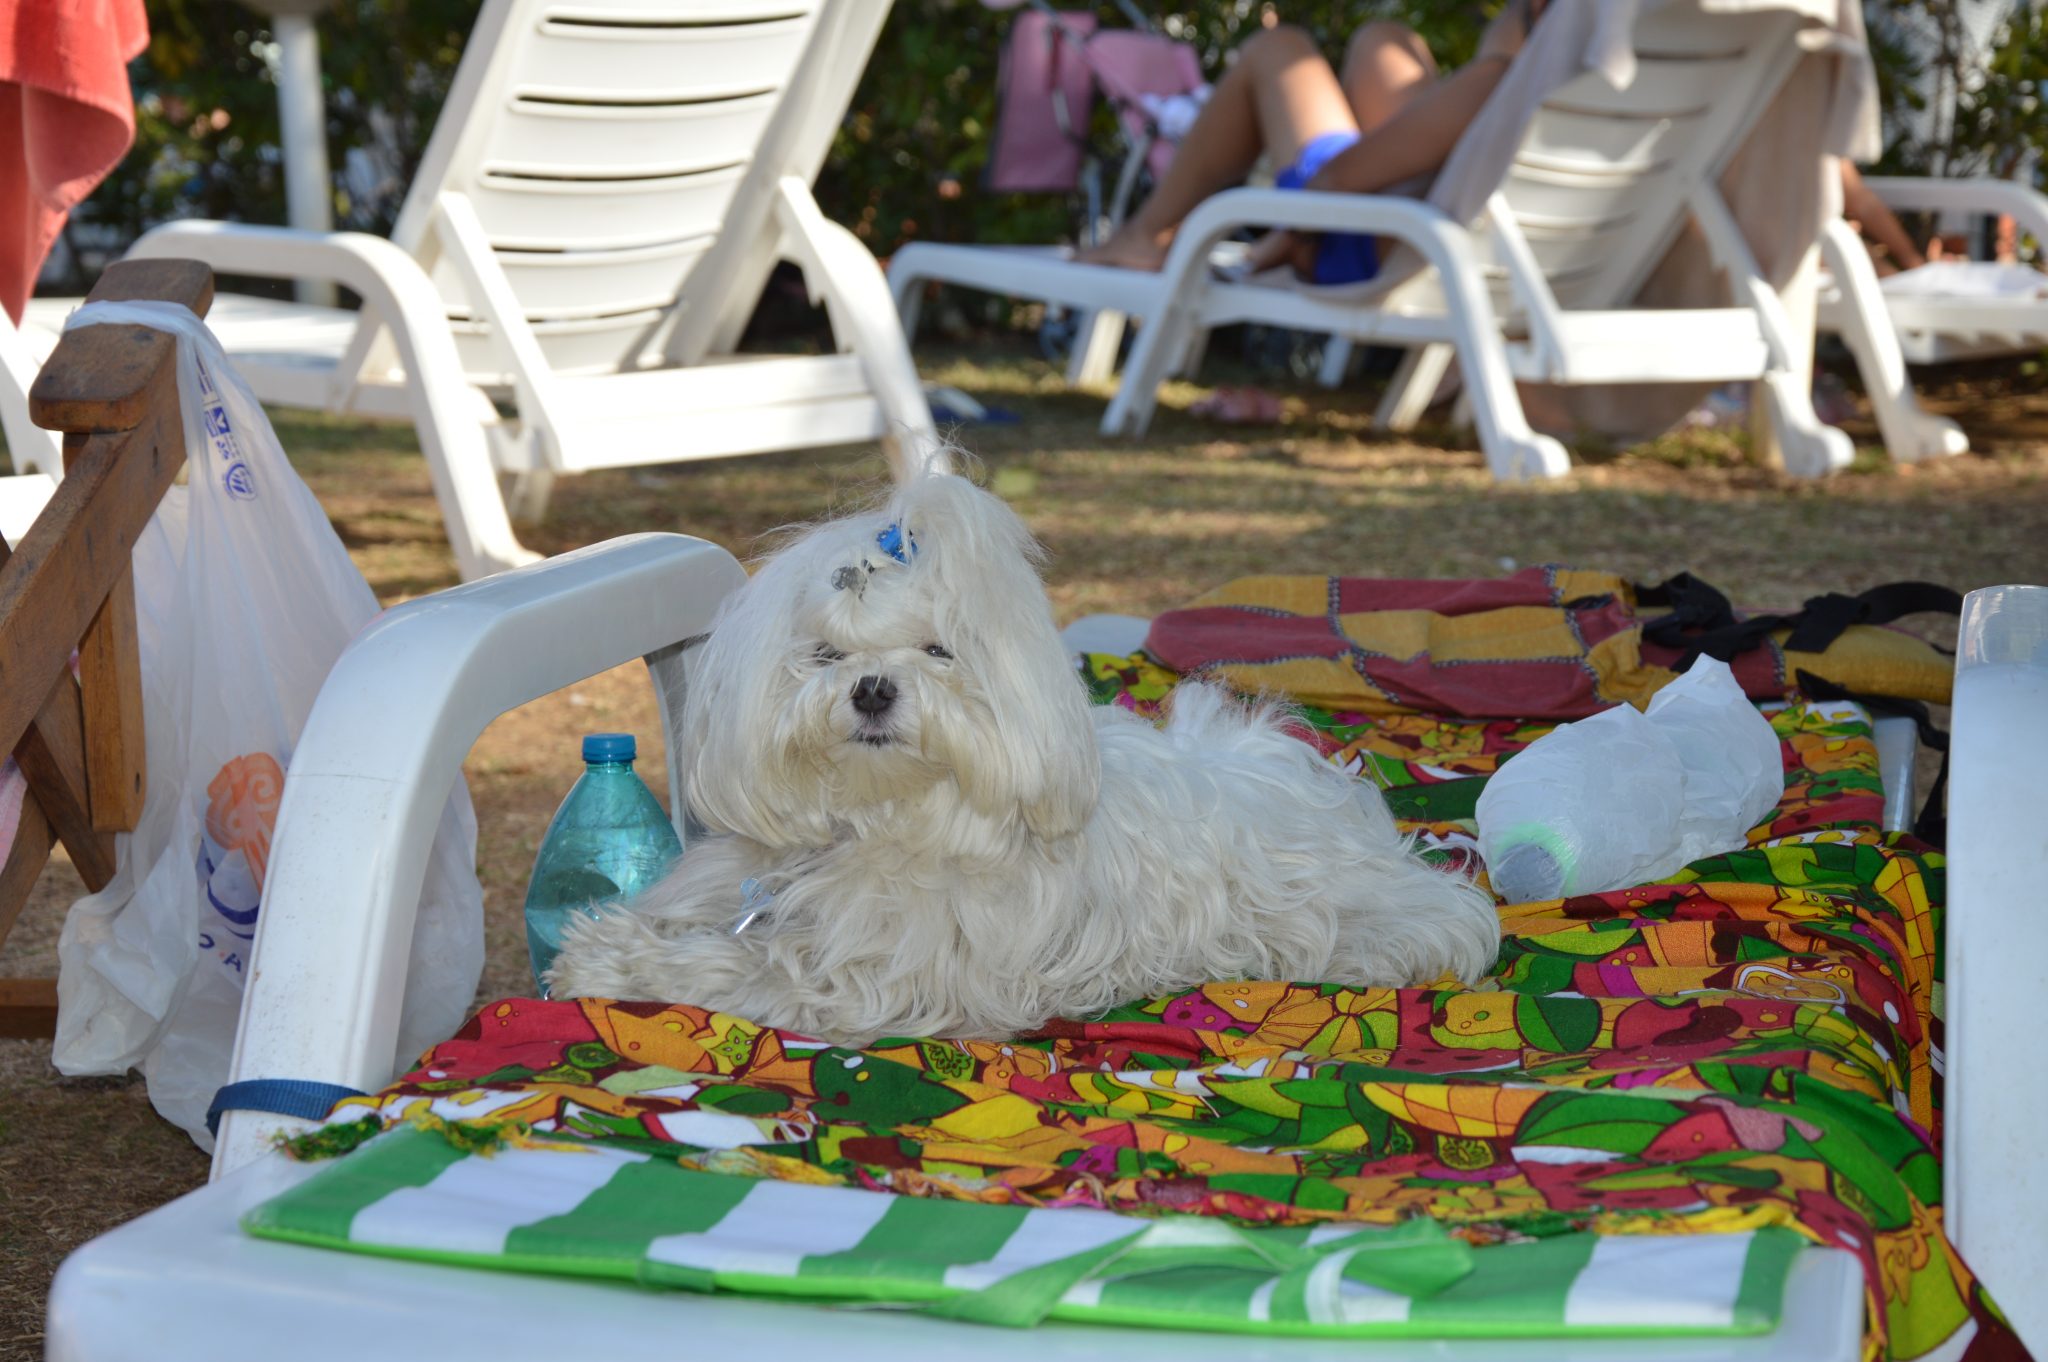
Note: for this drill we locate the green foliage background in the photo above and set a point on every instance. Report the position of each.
(909, 159)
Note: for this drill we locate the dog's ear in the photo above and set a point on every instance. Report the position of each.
(1038, 757)
(746, 772)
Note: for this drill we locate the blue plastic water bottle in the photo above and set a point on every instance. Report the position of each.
(608, 841)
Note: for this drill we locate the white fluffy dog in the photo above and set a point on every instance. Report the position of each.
(923, 827)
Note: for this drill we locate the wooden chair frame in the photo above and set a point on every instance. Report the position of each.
(68, 584)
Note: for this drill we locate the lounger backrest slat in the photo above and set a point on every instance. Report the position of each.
(569, 139)
(601, 144)
(1599, 185)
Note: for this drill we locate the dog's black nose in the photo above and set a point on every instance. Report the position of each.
(873, 694)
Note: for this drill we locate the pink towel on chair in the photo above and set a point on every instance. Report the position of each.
(66, 119)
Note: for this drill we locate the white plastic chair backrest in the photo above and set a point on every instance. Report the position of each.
(1598, 186)
(602, 143)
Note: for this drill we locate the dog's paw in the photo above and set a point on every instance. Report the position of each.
(1479, 948)
(597, 956)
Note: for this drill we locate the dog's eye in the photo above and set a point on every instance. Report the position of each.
(827, 653)
(938, 651)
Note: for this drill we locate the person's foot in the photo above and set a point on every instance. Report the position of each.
(1240, 407)
(1270, 251)
(1126, 250)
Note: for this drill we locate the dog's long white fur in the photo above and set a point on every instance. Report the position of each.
(992, 850)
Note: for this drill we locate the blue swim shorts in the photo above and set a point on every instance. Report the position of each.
(1341, 257)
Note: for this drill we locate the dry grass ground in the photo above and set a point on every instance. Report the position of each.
(1132, 527)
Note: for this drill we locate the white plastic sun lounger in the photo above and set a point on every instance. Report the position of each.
(1887, 328)
(385, 742)
(1536, 290)
(1935, 327)
(599, 208)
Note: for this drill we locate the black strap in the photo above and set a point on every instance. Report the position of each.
(1702, 623)
(1826, 617)
(1931, 826)
(1693, 602)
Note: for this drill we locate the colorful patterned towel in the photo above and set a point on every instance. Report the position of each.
(1750, 1045)
(1545, 643)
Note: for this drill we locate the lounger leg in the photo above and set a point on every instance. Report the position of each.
(1095, 345)
(839, 270)
(1803, 444)
(1412, 386)
(452, 419)
(1336, 365)
(1160, 341)
(465, 483)
(1807, 447)
(1910, 433)
(1513, 451)
(1193, 353)
(527, 495)
(908, 291)
(525, 480)
(1163, 340)
(1786, 429)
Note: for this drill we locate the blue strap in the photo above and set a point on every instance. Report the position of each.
(281, 1096)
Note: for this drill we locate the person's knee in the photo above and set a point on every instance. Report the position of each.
(1383, 39)
(1282, 42)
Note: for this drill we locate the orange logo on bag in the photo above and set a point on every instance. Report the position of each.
(241, 808)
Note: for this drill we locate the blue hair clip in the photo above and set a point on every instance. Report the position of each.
(896, 544)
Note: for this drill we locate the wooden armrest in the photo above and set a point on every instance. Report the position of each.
(100, 379)
(68, 584)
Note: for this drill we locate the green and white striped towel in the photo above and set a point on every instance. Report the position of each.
(597, 1211)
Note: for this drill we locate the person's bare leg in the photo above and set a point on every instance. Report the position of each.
(1279, 95)
(1418, 136)
(1874, 220)
(1385, 65)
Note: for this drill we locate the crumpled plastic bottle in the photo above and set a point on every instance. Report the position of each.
(1625, 797)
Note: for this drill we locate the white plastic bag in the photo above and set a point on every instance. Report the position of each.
(1734, 767)
(1624, 797)
(244, 599)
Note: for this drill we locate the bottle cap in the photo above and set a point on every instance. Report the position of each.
(1527, 872)
(609, 747)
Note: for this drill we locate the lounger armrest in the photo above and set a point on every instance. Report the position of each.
(1431, 231)
(2028, 207)
(379, 754)
(367, 264)
(400, 301)
(1996, 1183)
(1450, 249)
